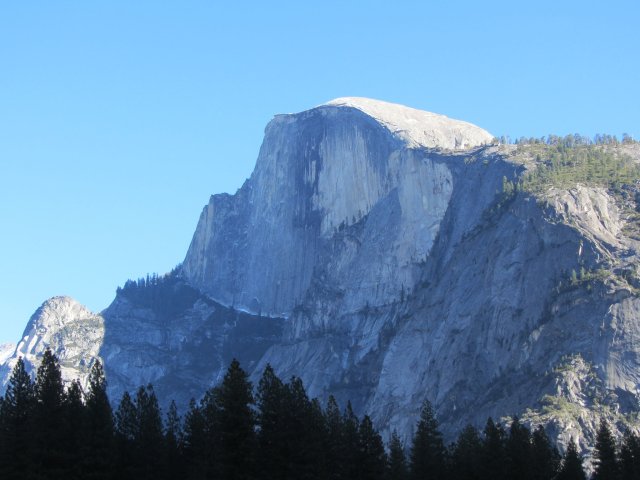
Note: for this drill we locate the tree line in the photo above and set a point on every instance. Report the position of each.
(276, 431)
(569, 140)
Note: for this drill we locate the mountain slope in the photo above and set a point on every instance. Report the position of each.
(388, 256)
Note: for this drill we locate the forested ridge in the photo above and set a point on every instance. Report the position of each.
(272, 432)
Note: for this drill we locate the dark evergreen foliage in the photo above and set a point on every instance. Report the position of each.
(173, 442)
(48, 415)
(545, 457)
(372, 458)
(99, 427)
(427, 456)
(397, 466)
(571, 468)
(236, 423)
(125, 435)
(149, 437)
(271, 435)
(518, 452)
(630, 456)
(48, 433)
(350, 440)
(195, 443)
(466, 456)
(335, 454)
(74, 431)
(493, 452)
(606, 460)
(16, 452)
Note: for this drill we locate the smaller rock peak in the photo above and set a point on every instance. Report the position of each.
(418, 128)
(60, 300)
(63, 303)
(59, 310)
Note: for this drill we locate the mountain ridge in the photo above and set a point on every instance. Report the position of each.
(386, 272)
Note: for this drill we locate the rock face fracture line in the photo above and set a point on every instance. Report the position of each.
(377, 252)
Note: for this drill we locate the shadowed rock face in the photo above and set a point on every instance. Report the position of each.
(165, 333)
(382, 262)
(319, 172)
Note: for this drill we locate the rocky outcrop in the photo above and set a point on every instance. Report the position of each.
(6, 351)
(163, 332)
(384, 260)
(169, 334)
(318, 172)
(69, 329)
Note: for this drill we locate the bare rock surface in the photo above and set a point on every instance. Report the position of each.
(375, 253)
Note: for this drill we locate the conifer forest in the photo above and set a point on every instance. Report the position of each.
(276, 431)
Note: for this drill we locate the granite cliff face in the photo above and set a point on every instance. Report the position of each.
(376, 253)
(317, 173)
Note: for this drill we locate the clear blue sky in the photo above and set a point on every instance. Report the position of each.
(118, 119)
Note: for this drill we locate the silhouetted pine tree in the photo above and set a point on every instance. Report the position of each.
(149, 438)
(427, 457)
(397, 464)
(466, 455)
(334, 453)
(493, 452)
(16, 426)
(272, 437)
(237, 437)
(372, 458)
(518, 450)
(605, 458)
(49, 459)
(98, 456)
(571, 467)
(126, 427)
(212, 417)
(194, 443)
(350, 441)
(545, 458)
(74, 430)
(173, 444)
(300, 457)
(630, 456)
(317, 439)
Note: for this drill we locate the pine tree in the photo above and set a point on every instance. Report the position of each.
(74, 430)
(212, 438)
(237, 436)
(493, 452)
(630, 456)
(545, 458)
(518, 450)
(372, 458)
(316, 440)
(98, 457)
(397, 466)
(335, 454)
(427, 457)
(16, 425)
(194, 450)
(300, 458)
(271, 416)
(606, 461)
(149, 436)
(50, 455)
(350, 442)
(173, 443)
(126, 427)
(466, 455)
(571, 468)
